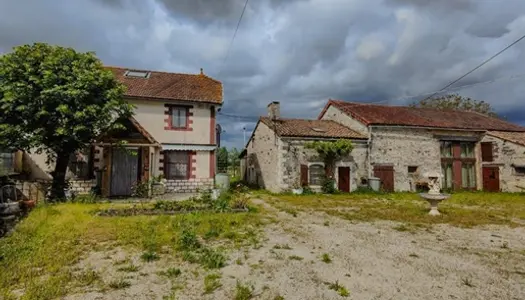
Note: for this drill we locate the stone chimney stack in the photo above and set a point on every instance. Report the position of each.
(274, 110)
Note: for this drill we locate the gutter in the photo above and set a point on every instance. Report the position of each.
(422, 127)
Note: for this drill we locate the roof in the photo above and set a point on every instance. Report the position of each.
(515, 137)
(143, 131)
(310, 128)
(372, 114)
(171, 86)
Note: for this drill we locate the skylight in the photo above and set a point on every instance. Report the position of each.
(137, 74)
(318, 129)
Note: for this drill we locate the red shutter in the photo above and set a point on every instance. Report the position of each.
(304, 175)
(487, 152)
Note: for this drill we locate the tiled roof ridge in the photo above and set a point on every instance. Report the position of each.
(162, 72)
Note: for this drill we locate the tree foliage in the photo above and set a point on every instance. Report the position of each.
(331, 151)
(57, 100)
(457, 102)
(222, 160)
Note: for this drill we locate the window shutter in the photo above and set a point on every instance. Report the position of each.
(487, 152)
(304, 175)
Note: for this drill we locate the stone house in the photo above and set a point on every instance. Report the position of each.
(275, 157)
(396, 144)
(172, 133)
(471, 150)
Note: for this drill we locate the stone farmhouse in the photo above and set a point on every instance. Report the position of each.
(173, 133)
(396, 144)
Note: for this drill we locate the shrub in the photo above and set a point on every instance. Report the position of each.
(243, 292)
(211, 283)
(222, 204)
(328, 186)
(307, 190)
(188, 240)
(119, 284)
(212, 259)
(239, 202)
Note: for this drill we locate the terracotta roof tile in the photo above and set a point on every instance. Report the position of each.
(171, 86)
(371, 114)
(515, 137)
(310, 128)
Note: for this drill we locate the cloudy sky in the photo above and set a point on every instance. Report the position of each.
(298, 52)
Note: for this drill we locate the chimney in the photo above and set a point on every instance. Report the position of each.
(202, 71)
(274, 110)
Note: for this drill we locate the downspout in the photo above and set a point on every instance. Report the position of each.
(369, 150)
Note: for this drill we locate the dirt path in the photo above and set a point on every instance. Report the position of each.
(370, 260)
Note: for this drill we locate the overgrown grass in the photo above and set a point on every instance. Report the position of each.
(211, 283)
(465, 209)
(38, 256)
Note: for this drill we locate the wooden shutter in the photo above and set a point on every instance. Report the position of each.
(487, 152)
(304, 175)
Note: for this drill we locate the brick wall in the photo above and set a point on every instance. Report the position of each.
(82, 187)
(188, 186)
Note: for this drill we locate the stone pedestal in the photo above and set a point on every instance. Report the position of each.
(158, 189)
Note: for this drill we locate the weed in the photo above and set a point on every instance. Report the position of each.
(122, 261)
(130, 268)
(239, 202)
(341, 290)
(87, 278)
(290, 211)
(214, 232)
(212, 259)
(188, 240)
(119, 284)
(243, 291)
(239, 262)
(326, 258)
(326, 223)
(278, 297)
(413, 255)
(467, 281)
(211, 283)
(401, 228)
(149, 256)
(505, 245)
(295, 257)
(282, 246)
(171, 272)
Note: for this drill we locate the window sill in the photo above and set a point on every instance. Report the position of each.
(178, 129)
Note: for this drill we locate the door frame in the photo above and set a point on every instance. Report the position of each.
(349, 178)
(488, 167)
(110, 179)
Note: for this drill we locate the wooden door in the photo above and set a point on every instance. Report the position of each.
(386, 175)
(124, 171)
(344, 179)
(491, 179)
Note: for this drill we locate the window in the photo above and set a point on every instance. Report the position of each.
(448, 179)
(179, 117)
(519, 170)
(446, 149)
(412, 170)
(468, 176)
(81, 164)
(315, 174)
(177, 165)
(137, 74)
(487, 152)
(467, 150)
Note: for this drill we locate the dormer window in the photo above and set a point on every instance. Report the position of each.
(137, 74)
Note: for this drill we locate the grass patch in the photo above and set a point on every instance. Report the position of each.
(282, 246)
(326, 258)
(38, 255)
(341, 290)
(463, 209)
(131, 268)
(171, 272)
(211, 283)
(149, 256)
(119, 284)
(295, 257)
(243, 291)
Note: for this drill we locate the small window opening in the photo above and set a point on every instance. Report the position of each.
(412, 169)
(519, 170)
(137, 74)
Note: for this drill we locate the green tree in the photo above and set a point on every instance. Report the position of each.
(234, 161)
(457, 102)
(331, 152)
(56, 100)
(222, 160)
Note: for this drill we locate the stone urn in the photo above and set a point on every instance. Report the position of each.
(434, 195)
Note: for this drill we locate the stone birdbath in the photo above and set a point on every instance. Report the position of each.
(434, 195)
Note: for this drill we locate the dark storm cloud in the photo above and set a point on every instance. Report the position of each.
(299, 52)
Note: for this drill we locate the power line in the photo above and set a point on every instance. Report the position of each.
(252, 118)
(479, 66)
(233, 38)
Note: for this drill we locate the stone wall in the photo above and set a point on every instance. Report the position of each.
(505, 155)
(262, 156)
(334, 114)
(82, 187)
(293, 155)
(188, 186)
